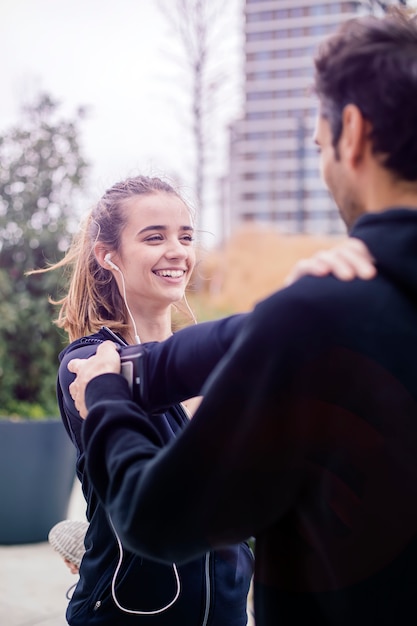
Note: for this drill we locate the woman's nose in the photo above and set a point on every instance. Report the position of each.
(176, 250)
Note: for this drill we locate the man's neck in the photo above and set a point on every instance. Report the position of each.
(384, 192)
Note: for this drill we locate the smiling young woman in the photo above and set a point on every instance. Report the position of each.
(129, 265)
(155, 258)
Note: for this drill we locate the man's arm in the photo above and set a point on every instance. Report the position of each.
(237, 466)
(173, 370)
(176, 369)
(234, 469)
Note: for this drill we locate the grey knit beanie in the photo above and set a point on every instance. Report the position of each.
(67, 538)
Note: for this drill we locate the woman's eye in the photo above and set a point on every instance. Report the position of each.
(154, 238)
(187, 238)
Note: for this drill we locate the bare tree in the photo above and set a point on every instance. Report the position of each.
(202, 28)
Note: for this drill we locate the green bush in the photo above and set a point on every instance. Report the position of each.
(16, 409)
(41, 174)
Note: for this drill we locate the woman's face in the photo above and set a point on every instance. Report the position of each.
(157, 254)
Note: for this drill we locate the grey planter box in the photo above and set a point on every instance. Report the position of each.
(37, 471)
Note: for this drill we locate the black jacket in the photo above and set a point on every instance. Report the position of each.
(213, 587)
(306, 438)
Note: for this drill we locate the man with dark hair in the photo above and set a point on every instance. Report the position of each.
(307, 435)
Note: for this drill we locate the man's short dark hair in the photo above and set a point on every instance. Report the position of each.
(372, 62)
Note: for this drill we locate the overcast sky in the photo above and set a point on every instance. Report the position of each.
(118, 59)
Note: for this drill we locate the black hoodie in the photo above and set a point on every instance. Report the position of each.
(212, 588)
(306, 439)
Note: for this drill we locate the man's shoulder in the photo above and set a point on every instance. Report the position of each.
(314, 293)
(311, 307)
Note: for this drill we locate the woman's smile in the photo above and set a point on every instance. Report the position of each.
(170, 273)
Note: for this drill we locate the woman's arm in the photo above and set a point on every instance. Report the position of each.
(70, 415)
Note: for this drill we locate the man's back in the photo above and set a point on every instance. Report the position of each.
(345, 394)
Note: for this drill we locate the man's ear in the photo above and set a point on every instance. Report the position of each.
(354, 140)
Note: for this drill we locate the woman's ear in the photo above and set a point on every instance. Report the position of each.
(100, 252)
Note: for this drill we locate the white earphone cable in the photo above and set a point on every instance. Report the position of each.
(189, 309)
(137, 338)
(116, 572)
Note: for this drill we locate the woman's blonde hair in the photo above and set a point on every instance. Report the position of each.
(93, 298)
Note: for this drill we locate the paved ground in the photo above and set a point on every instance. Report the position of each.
(34, 580)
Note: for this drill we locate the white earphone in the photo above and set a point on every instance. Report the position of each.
(108, 260)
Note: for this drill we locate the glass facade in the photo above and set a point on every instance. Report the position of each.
(274, 175)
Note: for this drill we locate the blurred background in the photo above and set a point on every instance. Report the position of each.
(213, 95)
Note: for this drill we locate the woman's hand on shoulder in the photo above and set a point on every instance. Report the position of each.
(105, 361)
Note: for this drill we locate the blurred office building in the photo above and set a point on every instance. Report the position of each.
(274, 173)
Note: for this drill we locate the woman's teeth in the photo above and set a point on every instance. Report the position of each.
(170, 273)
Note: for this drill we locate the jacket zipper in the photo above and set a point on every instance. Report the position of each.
(208, 589)
(206, 560)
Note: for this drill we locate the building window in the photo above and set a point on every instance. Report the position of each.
(280, 73)
(260, 95)
(281, 54)
(283, 194)
(264, 135)
(317, 193)
(259, 75)
(262, 16)
(260, 115)
(318, 9)
(289, 33)
(261, 55)
(264, 35)
(297, 32)
(310, 173)
(318, 29)
(279, 93)
(260, 196)
(257, 176)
